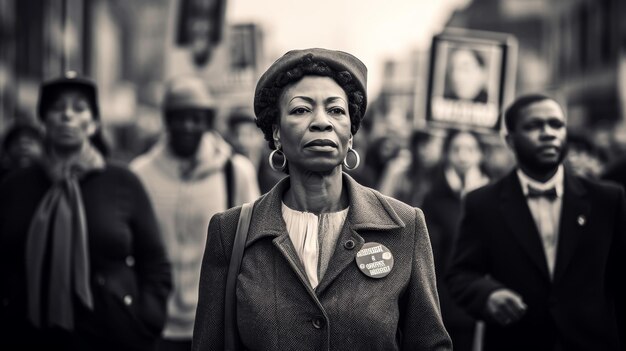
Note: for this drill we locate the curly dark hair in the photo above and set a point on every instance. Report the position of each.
(307, 66)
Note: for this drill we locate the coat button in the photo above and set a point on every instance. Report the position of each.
(130, 261)
(349, 244)
(318, 322)
(128, 300)
(100, 280)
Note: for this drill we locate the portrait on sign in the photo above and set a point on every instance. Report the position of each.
(468, 78)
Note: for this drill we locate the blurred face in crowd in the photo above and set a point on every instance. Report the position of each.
(69, 120)
(539, 137)
(25, 149)
(429, 152)
(467, 74)
(464, 152)
(185, 128)
(247, 138)
(314, 127)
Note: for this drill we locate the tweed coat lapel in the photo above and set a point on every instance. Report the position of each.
(515, 211)
(574, 217)
(368, 211)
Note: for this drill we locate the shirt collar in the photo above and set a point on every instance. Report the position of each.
(555, 182)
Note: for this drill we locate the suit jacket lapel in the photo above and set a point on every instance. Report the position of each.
(520, 221)
(574, 214)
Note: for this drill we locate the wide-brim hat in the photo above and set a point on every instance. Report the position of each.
(337, 60)
(71, 80)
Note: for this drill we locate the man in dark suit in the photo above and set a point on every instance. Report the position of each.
(541, 254)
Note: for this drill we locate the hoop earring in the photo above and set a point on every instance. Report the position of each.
(271, 159)
(358, 160)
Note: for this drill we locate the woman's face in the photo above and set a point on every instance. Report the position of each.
(314, 126)
(69, 120)
(466, 75)
(464, 153)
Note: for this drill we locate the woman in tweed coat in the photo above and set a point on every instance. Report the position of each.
(329, 264)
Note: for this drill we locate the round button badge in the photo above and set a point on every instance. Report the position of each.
(374, 260)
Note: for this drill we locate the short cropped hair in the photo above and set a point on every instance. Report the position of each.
(512, 113)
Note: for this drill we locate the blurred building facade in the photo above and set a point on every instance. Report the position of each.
(38, 39)
(118, 43)
(130, 48)
(393, 110)
(573, 49)
(587, 54)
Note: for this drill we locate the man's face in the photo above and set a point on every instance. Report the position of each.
(539, 137)
(185, 129)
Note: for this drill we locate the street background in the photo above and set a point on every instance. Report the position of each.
(571, 49)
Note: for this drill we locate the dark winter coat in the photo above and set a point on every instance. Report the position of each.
(130, 273)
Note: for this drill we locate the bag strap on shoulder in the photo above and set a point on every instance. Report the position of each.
(229, 175)
(231, 337)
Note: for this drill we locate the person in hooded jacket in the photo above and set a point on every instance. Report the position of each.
(190, 175)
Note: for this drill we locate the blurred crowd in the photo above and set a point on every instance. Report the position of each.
(396, 165)
(403, 167)
(192, 172)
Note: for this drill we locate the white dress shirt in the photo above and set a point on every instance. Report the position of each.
(546, 212)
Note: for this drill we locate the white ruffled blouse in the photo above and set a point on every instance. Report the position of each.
(314, 238)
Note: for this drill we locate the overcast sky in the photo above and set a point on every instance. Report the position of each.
(372, 30)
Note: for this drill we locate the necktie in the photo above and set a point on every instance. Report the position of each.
(535, 193)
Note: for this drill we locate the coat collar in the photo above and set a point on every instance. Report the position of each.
(369, 210)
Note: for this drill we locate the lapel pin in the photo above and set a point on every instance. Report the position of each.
(581, 220)
(374, 260)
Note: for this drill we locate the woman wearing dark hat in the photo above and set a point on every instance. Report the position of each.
(82, 265)
(328, 264)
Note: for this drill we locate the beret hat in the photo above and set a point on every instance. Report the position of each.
(337, 60)
(71, 79)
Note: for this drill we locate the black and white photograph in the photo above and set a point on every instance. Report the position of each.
(470, 73)
(329, 175)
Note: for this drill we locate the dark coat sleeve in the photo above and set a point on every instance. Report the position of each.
(467, 279)
(618, 266)
(208, 333)
(153, 267)
(422, 310)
